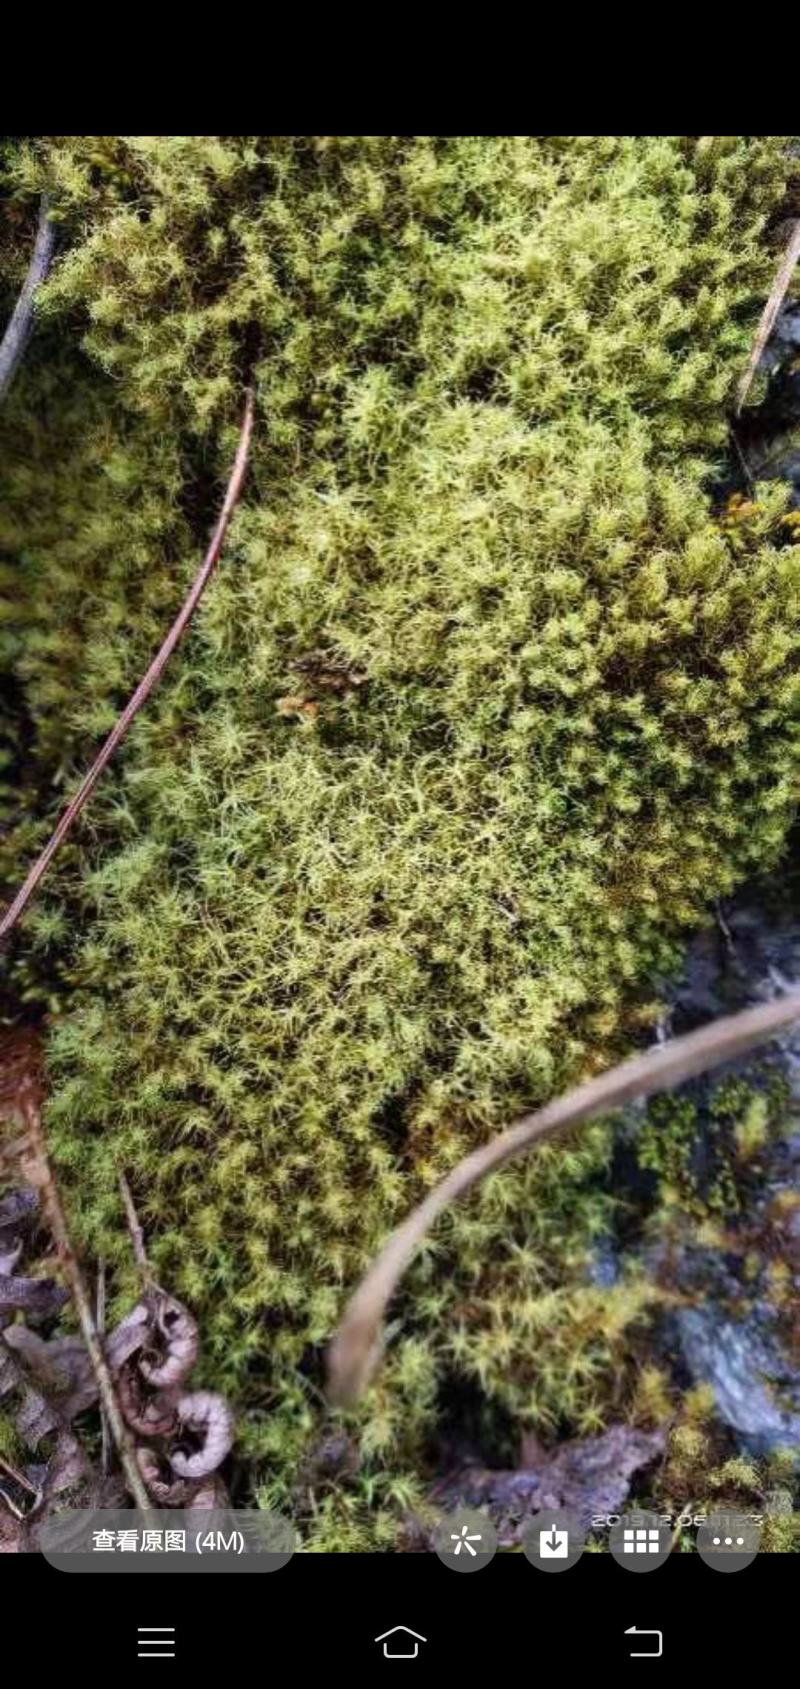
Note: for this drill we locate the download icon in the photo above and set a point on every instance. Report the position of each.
(553, 1540)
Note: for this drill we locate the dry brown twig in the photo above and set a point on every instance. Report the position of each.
(769, 314)
(136, 1234)
(145, 687)
(357, 1346)
(20, 325)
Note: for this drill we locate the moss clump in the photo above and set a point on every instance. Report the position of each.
(698, 1476)
(706, 1147)
(312, 955)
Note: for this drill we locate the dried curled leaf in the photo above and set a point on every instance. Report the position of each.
(207, 1416)
(149, 1413)
(156, 1341)
(39, 1296)
(149, 1357)
(167, 1490)
(128, 1337)
(173, 1343)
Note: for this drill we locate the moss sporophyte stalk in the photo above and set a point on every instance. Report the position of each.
(485, 707)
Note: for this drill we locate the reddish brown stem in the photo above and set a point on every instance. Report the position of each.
(145, 687)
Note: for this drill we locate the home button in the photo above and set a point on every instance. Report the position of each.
(401, 1643)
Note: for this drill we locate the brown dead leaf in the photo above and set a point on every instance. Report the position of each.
(39, 1296)
(297, 704)
(20, 1065)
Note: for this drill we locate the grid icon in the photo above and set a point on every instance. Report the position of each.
(640, 1542)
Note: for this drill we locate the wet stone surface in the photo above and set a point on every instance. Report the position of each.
(753, 1383)
(731, 1334)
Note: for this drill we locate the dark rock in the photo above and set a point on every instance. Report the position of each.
(769, 433)
(604, 1267)
(589, 1476)
(732, 1336)
(784, 341)
(757, 1393)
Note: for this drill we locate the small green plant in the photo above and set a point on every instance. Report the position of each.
(706, 1158)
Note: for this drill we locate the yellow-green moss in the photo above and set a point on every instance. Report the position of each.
(311, 957)
(706, 1159)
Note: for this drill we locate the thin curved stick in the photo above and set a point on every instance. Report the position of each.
(145, 687)
(19, 328)
(136, 1235)
(357, 1346)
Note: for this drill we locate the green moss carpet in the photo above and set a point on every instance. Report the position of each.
(481, 710)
